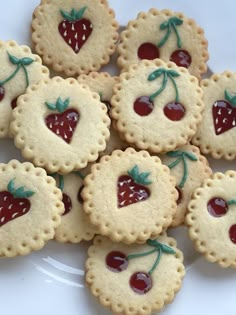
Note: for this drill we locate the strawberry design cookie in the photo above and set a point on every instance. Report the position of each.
(211, 219)
(143, 278)
(103, 84)
(30, 208)
(163, 106)
(138, 196)
(216, 134)
(60, 125)
(75, 225)
(167, 35)
(74, 37)
(190, 168)
(19, 68)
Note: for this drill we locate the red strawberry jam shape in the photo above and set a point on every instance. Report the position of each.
(14, 203)
(79, 196)
(224, 113)
(75, 29)
(140, 281)
(19, 64)
(131, 187)
(67, 203)
(64, 123)
(148, 51)
(232, 233)
(181, 58)
(144, 105)
(181, 157)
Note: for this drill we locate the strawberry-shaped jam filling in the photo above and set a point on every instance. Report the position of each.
(181, 58)
(224, 113)
(19, 64)
(217, 207)
(64, 123)
(116, 261)
(75, 29)
(148, 51)
(181, 157)
(131, 187)
(67, 203)
(144, 105)
(232, 233)
(140, 281)
(14, 203)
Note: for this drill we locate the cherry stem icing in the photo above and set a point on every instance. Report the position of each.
(79, 174)
(231, 202)
(181, 156)
(169, 25)
(60, 179)
(20, 63)
(19, 192)
(159, 248)
(167, 74)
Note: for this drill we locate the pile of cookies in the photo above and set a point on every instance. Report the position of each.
(117, 160)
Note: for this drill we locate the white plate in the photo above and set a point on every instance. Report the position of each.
(51, 281)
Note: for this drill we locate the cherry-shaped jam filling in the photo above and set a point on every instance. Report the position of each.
(148, 51)
(140, 282)
(174, 111)
(79, 197)
(14, 102)
(2, 92)
(181, 58)
(180, 195)
(232, 233)
(217, 207)
(116, 261)
(143, 106)
(67, 203)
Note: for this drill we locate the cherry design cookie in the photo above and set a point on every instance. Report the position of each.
(143, 278)
(167, 35)
(211, 219)
(75, 225)
(130, 196)
(19, 68)
(74, 37)
(216, 134)
(30, 208)
(190, 168)
(103, 83)
(163, 106)
(60, 125)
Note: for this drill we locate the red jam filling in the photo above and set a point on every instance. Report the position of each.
(116, 261)
(2, 92)
(232, 233)
(181, 58)
(217, 207)
(140, 282)
(67, 203)
(224, 116)
(79, 197)
(143, 106)
(180, 195)
(148, 51)
(14, 103)
(174, 111)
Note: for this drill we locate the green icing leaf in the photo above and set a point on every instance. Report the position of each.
(50, 106)
(73, 15)
(231, 98)
(13, 59)
(167, 249)
(139, 178)
(155, 74)
(164, 25)
(173, 73)
(26, 61)
(191, 156)
(80, 13)
(174, 153)
(11, 186)
(175, 20)
(19, 192)
(66, 15)
(60, 105)
(143, 178)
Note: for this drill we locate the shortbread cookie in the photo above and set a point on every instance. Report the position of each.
(216, 135)
(163, 105)
(130, 196)
(30, 208)
(60, 125)
(19, 68)
(190, 168)
(75, 225)
(167, 35)
(74, 37)
(211, 219)
(103, 83)
(143, 278)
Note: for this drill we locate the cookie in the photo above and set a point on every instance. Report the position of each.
(30, 208)
(143, 278)
(163, 106)
(19, 68)
(168, 35)
(189, 168)
(211, 219)
(130, 196)
(75, 225)
(216, 134)
(103, 83)
(60, 125)
(74, 37)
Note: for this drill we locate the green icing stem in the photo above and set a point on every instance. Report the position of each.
(179, 42)
(164, 83)
(176, 89)
(132, 256)
(231, 202)
(60, 178)
(156, 262)
(172, 23)
(11, 76)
